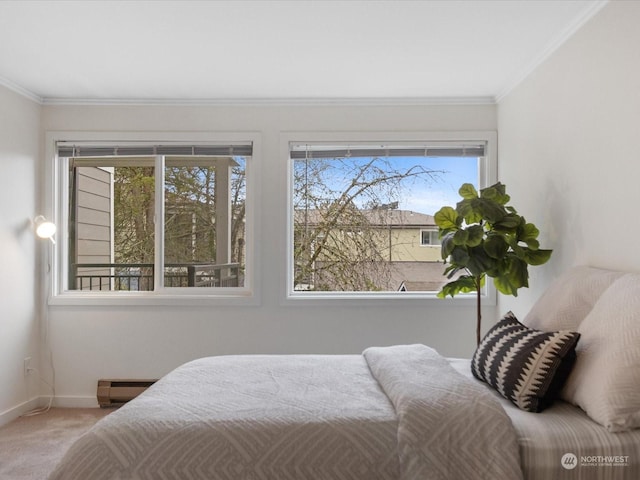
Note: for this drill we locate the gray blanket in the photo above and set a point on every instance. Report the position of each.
(396, 413)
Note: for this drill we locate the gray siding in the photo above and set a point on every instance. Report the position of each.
(93, 225)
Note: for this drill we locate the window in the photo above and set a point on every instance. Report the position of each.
(429, 237)
(114, 195)
(387, 192)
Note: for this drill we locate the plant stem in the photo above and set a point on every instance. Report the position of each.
(478, 311)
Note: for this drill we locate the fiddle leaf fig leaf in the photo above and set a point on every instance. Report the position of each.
(536, 257)
(447, 219)
(491, 211)
(459, 256)
(529, 234)
(503, 285)
(518, 251)
(467, 209)
(509, 223)
(518, 273)
(463, 284)
(479, 262)
(496, 246)
(496, 193)
(451, 271)
(461, 237)
(447, 245)
(468, 191)
(476, 235)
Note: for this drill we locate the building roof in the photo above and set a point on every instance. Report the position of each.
(376, 216)
(399, 218)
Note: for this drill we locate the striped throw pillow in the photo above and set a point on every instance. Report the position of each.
(526, 366)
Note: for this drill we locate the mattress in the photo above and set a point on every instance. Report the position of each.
(564, 443)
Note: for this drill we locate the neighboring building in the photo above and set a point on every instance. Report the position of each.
(91, 236)
(406, 243)
(412, 236)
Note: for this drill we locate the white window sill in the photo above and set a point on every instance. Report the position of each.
(386, 298)
(245, 298)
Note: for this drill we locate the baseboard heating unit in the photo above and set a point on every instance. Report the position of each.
(114, 393)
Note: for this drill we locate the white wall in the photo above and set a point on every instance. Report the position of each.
(568, 149)
(99, 342)
(19, 326)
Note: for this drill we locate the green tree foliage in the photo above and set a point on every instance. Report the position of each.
(189, 215)
(190, 212)
(134, 201)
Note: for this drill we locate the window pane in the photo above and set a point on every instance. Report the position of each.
(111, 229)
(429, 237)
(204, 232)
(361, 222)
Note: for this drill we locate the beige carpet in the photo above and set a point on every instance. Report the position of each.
(30, 447)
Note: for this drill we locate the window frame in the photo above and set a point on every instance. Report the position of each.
(56, 186)
(487, 175)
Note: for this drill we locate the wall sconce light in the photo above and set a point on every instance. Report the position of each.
(45, 228)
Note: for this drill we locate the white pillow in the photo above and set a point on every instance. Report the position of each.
(569, 299)
(605, 380)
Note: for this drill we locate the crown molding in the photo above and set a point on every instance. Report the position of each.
(14, 87)
(250, 102)
(268, 102)
(554, 45)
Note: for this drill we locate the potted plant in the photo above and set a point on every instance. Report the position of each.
(483, 236)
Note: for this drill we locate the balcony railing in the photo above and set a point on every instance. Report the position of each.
(140, 276)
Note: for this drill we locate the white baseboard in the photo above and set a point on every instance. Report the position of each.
(74, 401)
(13, 413)
(69, 401)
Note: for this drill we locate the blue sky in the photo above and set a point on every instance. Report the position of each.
(423, 194)
(429, 197)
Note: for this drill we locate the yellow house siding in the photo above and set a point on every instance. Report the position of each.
(407, 247)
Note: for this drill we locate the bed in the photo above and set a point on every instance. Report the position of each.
(391, 413)
(401, 412)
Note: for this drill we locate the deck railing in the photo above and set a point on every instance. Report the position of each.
(140, 276)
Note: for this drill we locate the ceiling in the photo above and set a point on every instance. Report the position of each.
(272, 51)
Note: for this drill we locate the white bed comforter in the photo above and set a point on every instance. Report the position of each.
(393, 413)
